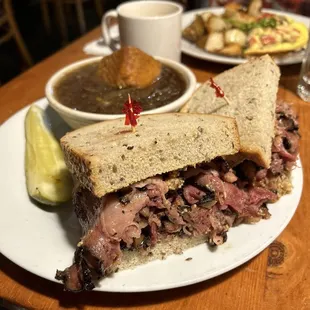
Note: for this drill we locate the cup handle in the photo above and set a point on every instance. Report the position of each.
(105, 27)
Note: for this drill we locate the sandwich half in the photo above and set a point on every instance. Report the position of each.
(143, 195)
(268, 129)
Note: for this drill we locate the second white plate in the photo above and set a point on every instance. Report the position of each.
(192, 50)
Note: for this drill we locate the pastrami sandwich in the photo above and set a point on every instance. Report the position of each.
(143, 195)
(268, 128)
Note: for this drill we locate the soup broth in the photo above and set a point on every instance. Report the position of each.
(84, 90)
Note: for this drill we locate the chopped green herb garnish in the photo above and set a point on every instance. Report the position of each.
(247, 27)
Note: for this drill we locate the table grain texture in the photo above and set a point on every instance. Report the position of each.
(278, 278)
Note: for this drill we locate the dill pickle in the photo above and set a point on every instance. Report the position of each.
(47, 177)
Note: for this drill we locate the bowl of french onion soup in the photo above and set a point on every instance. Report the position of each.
(96, 89)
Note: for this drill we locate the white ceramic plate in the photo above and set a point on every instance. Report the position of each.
(42, 240)
(192, 50)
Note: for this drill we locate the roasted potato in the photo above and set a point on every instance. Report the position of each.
(235, 36)
(242, 17)
(214, 42)
(202, 42)
(254, 8)
(216, 24)
(195, 30)
(231, 50)
(205, 16)
(231, 9)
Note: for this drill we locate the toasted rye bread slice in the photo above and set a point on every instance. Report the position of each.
(251, 89)
(108, 156)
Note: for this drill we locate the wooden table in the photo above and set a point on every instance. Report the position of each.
(278, 278)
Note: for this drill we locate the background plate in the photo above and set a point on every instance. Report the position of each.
(42, 240)
(192, 50)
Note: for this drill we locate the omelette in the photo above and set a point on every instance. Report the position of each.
(288, 35)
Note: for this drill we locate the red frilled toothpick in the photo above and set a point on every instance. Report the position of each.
(218, 91)
(132, 109)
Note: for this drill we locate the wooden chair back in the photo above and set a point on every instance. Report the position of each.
(9, 30)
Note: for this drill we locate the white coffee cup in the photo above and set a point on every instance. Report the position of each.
(152, 26)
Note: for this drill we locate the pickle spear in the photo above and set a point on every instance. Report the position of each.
(47, 177)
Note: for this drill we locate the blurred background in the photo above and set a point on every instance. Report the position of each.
(31, 30)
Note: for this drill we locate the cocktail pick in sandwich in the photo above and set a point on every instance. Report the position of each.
(132, 109)
(219, 93)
